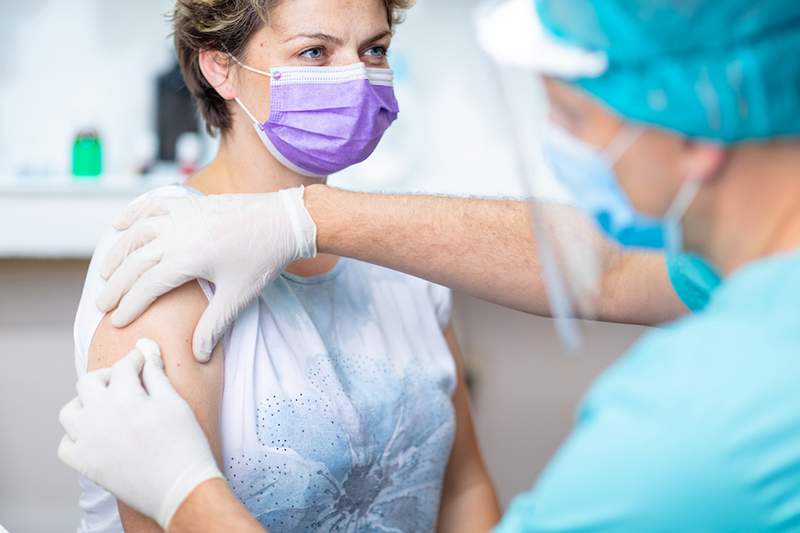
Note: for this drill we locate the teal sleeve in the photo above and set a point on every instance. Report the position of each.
(614, 476)
(694, 430)
(636, 462)
(693, 279)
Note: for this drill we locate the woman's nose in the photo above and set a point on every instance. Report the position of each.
(346, 57)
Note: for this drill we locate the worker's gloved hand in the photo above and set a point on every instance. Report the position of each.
(240, 243)
(137, 438)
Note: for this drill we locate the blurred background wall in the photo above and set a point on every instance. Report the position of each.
(93, 65)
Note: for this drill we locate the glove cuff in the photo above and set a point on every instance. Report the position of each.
(305, 230)
(182, 488)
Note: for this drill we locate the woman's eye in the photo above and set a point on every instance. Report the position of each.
(377, 51)
(313, 53)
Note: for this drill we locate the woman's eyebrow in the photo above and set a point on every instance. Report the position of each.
(336, 40)
(376, 37)
(318, 36)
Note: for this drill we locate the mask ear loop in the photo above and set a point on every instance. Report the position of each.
(238, 101)
(251, 69)
(679, 206)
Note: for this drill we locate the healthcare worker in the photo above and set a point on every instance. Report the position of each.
(687, 138)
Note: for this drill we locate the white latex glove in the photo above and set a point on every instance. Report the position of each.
(240, 243)
(141, 443)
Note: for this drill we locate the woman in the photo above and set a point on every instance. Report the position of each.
(336, 402)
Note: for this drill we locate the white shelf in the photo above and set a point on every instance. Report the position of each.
(61, 218)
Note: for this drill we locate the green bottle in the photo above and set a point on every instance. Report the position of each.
(87, 155)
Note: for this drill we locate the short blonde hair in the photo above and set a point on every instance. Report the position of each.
(227, 26)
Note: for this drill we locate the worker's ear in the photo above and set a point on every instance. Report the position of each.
(704, 160)
(216, 68)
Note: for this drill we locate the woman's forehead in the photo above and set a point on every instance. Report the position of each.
(338, 18)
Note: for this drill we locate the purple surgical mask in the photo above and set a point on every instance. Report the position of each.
(325, 119)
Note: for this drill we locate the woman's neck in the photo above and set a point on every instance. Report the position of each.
(756, 212)
(244, 166)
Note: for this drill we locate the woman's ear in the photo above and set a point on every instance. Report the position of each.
(216, 68)
(704, 160)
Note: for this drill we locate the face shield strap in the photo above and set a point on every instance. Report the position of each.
(562, 307)
(622, 142)
(673, 219)
(569, 260)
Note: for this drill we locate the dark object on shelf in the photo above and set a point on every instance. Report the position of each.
(177, 113)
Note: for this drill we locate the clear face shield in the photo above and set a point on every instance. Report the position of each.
(574, 254)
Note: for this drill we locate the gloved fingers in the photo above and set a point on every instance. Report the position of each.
(93, 384)
(125, 276)
(133, 239)
(218, 316)
(68, 417)
(150, 349)
(146, 208)
(125, 374)
(152, 284)
(68, 454)
(155, 380)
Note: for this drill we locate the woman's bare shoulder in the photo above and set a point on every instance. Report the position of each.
(170, 321)
(171, 314)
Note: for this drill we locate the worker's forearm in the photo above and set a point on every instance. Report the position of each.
(482, 247)
(212, 508)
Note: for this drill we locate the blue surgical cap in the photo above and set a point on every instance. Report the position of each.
(720, 70)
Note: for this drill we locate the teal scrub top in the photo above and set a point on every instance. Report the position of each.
(696, 429)
(693, 279)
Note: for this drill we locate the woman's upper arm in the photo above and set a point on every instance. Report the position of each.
(466, 462)
(170, 322)
(469, 502)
